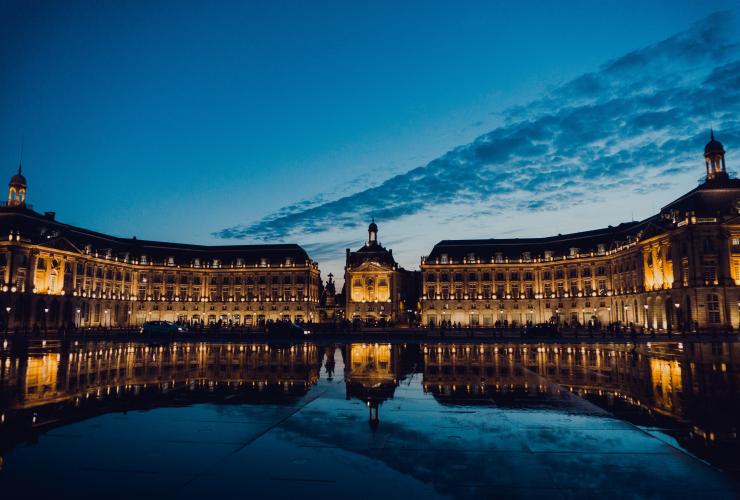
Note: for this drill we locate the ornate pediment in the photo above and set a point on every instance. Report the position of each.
(370, 266)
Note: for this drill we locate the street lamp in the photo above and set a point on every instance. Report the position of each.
(46, 324)
(646, 315)
(678, 316)
(7, 319)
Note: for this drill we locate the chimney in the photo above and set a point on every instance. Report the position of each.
(50, 215)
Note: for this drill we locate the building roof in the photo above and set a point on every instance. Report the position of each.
(514, 248)
(713, 198)
(44, 230)
(371, 252)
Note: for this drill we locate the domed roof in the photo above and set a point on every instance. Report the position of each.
(18, 178)
(713, 146)
(373, 227)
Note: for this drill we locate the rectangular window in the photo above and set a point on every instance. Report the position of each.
(713, 315)
(710, 271)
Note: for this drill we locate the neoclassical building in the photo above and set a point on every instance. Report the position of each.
(376, 288)
(677, 269)
(54, 274)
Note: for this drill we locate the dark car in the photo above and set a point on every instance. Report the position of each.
(542, 330)
(154, 327)
(286, 328)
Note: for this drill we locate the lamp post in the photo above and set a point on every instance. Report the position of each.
(627, 314)
(46, 324)
(7, 320)
(678, 316)
(645, 306)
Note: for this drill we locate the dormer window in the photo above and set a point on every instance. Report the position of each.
(444, 259)
(573, 251)
(88, 249)
(216, 263)
(239, 262)
(196, 262)
(263, 262)
(527, 256)
(144, 259)
(108, 253)
(548, 254)
(170, 261)
(288, 261)
(601, 249)
(499, 257)
(471, 257)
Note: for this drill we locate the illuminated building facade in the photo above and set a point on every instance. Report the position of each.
(678, 269)
(53, 274)
(376, 288)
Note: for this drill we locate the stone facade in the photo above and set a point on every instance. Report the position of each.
(376, 288)
(53, 274)
(678, 269)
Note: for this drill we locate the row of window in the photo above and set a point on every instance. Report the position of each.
(547, 275)
(499, 257)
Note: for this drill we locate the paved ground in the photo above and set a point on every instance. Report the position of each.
(321, 445)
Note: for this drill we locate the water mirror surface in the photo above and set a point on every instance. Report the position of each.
(380, 419)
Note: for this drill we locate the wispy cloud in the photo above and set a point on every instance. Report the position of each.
(634, 123)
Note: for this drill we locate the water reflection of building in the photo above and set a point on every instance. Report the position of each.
(370, 374)
(97, 369)
(694, 382)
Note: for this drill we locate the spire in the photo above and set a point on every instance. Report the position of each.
(20, 160)
(711, 133)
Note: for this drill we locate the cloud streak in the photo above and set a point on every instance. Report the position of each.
(633, 123)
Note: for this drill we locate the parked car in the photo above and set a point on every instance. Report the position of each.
(286, 328)
(154, 327)
(543, 330)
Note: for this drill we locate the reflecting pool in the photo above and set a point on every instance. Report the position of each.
(369, 419)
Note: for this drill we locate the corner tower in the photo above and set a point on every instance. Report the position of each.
(714, 156)
(372, 233)
(17, 189)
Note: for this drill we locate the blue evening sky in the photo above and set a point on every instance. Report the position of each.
(296, 121)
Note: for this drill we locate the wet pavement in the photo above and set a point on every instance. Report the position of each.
(370, 420)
